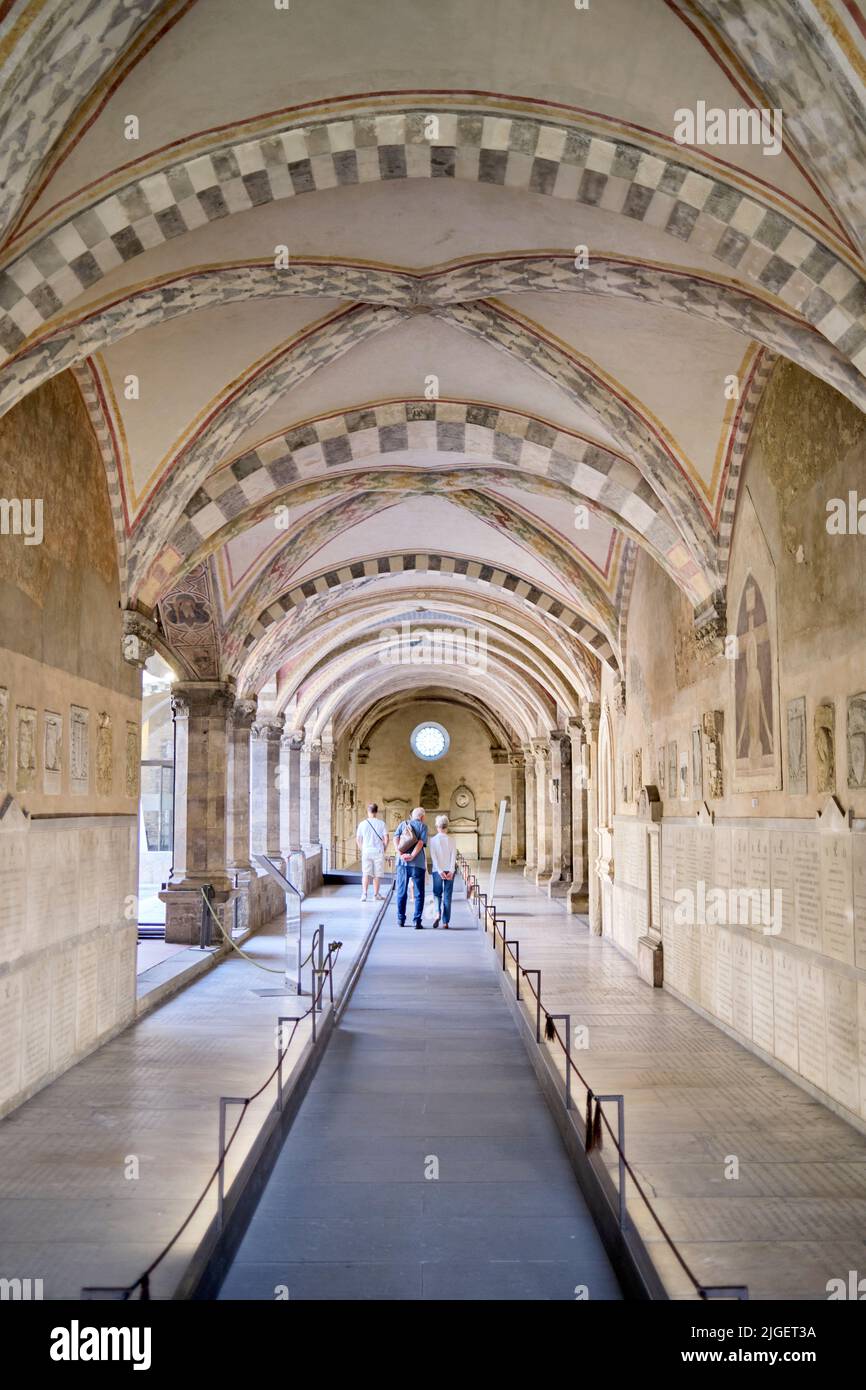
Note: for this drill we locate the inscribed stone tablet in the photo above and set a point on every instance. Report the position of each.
(843, 1078)
(762, 996)
(785, 1045)
(811, 1033)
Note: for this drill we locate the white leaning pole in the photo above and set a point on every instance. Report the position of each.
(497, 850)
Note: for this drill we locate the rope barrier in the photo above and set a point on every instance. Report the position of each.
(143, 1280)
(595, 1116)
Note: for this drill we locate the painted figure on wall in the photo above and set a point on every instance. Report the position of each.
(754, 713)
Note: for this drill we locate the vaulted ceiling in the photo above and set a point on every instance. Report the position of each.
(410, 312)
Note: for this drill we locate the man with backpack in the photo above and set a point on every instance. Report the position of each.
(410, 839)
(372, 841)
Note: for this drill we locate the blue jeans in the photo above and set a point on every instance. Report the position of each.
(442, 890)
(418, 873)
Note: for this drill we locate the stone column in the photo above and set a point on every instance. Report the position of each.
(309, 792)
(544, 810)
(290, 806)
(591, 716)
(201, 712)
(577, 899)
(326, 820)
(265, 776)
(531, 806)
(238, 787)
(517, 764)
(559, 881)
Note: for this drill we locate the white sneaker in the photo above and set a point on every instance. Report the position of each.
(363, 897)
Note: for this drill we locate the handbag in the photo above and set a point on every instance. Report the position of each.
(407, 840)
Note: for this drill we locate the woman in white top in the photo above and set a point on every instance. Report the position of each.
(443, 861)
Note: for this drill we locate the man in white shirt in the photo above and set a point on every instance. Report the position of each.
(372, 838)
(443, 861)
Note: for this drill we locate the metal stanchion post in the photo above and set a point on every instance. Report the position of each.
(620, 1105)
(225, 1102)
(566, 1019)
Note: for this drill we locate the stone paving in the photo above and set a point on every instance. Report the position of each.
(796, 1215)
(424, 1163)
(68, 1213)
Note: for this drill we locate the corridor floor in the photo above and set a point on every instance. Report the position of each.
(424, 1162)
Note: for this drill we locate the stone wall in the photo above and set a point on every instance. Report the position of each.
(69, 754)
(748, 743)
(394, 771)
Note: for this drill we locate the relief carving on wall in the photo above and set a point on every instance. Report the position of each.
(714, 726)
(673, 770)
(52, 753)
(131, 761)
(4, 736)
(104, 755)
(79, 750)
(857, 741)
(25, 747)
(825, 746)
(796, 719)
(697, 764)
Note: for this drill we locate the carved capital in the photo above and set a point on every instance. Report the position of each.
(619, 697)
(268, 729)
(711, 622)
(138, 642)
(201, 700)
(243, 713)
(591, 716)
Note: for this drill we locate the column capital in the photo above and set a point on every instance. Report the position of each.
(243, 713)
(139, 639)
(517, 758)
(268, 729)
(557, 736)
(591, 715)
(541, 751)
(292, 739)
(197, 699)
(499, 755)
(575, 729)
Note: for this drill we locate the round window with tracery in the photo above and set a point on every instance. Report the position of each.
(429, 741)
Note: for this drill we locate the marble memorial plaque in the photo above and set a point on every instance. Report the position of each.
(63, 982)
(709, 951)
(861, 1031)
(13, 894)
(697, 765)
(673, 771)
(79, 750)
(661, 767)
(782, 879)
(740, 857)
(36, 1023)
(705, 855)
(52, 753)
(684, 775)
(759, 858)
(742, 964)
(807, 893)
(722, 857)
(811, 1034)
(668, 863)
(106, 986)
(785, 1044)
(86, 995)
(797, 774)
(843, 1075)
(10, 1035)
(837, 896)
(724, 977)
(858, 856)
(762, 996)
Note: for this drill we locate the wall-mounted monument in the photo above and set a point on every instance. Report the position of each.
(857, 741)
(52, 753)
(104, 755)
(462, 819)
(798, 783)
(4, 737)
(673, 770)
(714, 728)
(25, 747)
(79, 750)
(697, 765)
(825, 746)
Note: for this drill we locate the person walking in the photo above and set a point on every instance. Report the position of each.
(371, 838)
(410, 839)
(443, 861)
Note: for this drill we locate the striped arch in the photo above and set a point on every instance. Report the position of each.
(585, 160)
(377, 567)
(714, 299)
(538, 456)
(334, 617)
